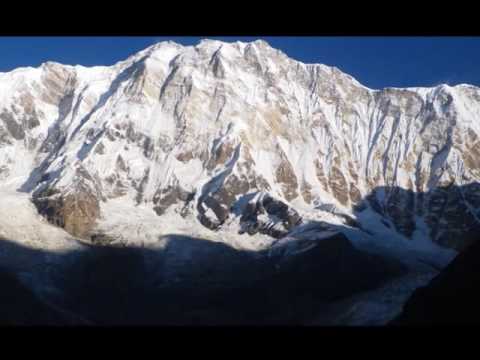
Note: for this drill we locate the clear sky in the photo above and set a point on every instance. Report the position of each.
(376, 62)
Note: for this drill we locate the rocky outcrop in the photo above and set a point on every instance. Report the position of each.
(15, 129)
(76, 208)
(170, 196)
(268, 216)
(448, 212)
(76, 213)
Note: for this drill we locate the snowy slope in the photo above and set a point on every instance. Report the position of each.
(21, 223)
(186, 137)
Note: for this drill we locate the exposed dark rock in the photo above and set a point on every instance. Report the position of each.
(285, 175)
(121, 164)
(15, 129)
(141, 186)
(4, 137)
(339, 186)
(185, 156)
(148, 147)
(350, 221)
(222, 154)
(169, 196)
(100, 149)
(102, 239)
(277, 211)
(57, 81)
(445, 209)
(76, 212)
(221, 201)
(219, 209)
(31, 122)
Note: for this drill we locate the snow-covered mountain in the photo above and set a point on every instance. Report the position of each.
(240, 143)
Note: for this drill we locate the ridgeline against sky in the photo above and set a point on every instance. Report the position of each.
(376, 62)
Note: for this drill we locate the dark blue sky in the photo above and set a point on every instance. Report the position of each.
(376, 62)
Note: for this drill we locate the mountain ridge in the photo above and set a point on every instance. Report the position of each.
(158, 45)
(195, 130)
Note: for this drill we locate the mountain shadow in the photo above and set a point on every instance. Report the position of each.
(450, 214)
(452, 297)
(21, 306)
(188, 282)
(192, 281)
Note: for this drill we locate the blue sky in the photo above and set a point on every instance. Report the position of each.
(376, 62)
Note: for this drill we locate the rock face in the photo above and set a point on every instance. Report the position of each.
(268, 216)
(449, 212)
(196, 130)
(76, 213)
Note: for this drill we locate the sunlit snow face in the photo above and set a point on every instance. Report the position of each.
(168, 121)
